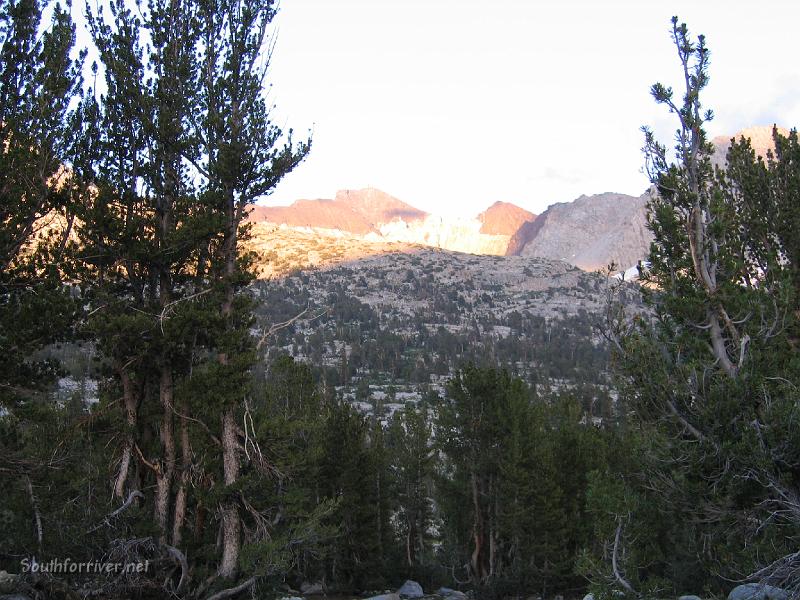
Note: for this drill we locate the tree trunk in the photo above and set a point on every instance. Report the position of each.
(166, 467)
(478, 559)
(231, 526)
(129, 404)
(186, 463)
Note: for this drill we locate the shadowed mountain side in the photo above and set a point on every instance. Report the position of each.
(591, 232)
(525, 234)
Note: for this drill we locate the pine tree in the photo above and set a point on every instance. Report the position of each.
(411, 442)
(348, 474)
(179, 145)
(39, 78)
(716, 375)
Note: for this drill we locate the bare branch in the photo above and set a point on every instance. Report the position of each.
(614, 564)
(37, 516)
(230, 592)
(125, 506)
(180, 557)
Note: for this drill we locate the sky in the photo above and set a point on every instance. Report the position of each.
(451, 105)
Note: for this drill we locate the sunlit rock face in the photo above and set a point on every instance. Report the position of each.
(760, 139)
(592, 232)
(504, 218)
(377, 217)
(352, 211)
(455, 234)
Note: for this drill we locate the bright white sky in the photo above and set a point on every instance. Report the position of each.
(451, 105)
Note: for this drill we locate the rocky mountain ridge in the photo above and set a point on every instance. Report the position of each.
(591, 232)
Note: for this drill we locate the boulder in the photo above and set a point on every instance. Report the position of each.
(384, 597)
(588, 597)
(690, 598)
(453, 594)
(410, 589)
(308, 589)
(756, 591)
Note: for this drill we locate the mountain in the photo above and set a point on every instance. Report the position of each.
(591, 232)
(382, 219)
(760, 139)
(325, 214)
(504, 218)
(352, 211)
(378, 207)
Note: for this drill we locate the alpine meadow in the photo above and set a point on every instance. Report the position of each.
(207, 395)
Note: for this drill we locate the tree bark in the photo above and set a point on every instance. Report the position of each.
(166, 468)
(182, 493)
(129, 404)
(231, 526)
(478, 559)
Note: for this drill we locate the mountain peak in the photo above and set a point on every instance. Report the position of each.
(504, 218)
(760, 137)
(377, 206)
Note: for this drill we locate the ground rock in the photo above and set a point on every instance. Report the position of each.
(755, 591)
(691, 597)
(311, 588)
(449, 593)
(410, 589)
(385, 597)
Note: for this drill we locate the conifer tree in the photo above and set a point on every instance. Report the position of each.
(39, 78)
(411, 442)
(716, 375)
(180, 144)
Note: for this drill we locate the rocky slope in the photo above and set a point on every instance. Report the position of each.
(457, 235)
(388, 329)
(592, 232)
(383, 219)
